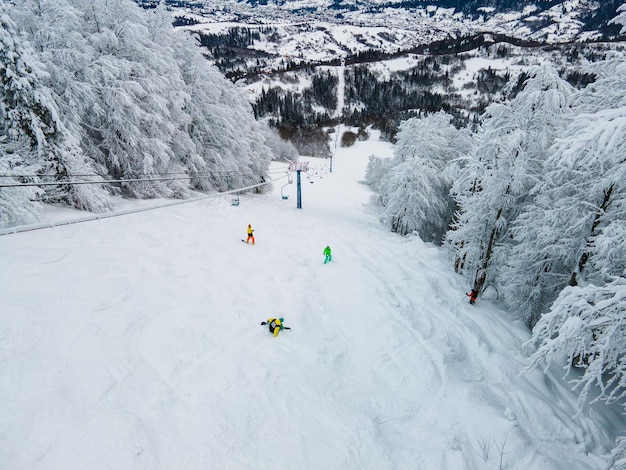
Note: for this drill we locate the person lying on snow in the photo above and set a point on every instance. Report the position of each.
(275, 325)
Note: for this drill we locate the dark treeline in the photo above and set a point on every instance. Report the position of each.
(151, 4)
(184, 21)
(293, 107)
(230, 52)
(596, 19)
(324, 89)
(235, 38)
(298, 116)
(368, 99)
(385, 101)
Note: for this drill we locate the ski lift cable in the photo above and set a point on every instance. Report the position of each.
(32, 227)
(126, 180)
(62, 183)
(199, 174)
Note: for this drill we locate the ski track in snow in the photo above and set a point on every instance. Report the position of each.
(135, 342)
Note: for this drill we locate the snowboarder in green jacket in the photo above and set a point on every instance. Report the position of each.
(328, 255)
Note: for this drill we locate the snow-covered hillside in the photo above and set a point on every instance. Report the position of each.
(135, 342)
(389, 26)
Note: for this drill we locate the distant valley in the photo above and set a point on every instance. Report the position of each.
(308, 66)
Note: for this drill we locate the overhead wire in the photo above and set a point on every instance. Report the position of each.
(157, 173)
(28, 228)
(124, 180)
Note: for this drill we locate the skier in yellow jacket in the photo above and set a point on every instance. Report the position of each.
(275, 325)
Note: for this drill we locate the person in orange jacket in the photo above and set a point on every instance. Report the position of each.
(275, 325)
(473, 295)
(250, 234)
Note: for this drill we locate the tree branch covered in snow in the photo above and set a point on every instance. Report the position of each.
(541, 215)
(414, 188)
(587, 327)
(504, 165)
(109, 91)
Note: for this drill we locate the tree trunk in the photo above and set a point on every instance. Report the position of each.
(481, 273)
(596, 221)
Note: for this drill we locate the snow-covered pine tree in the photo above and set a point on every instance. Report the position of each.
(505, 165)
(620, 18)
(414, 187)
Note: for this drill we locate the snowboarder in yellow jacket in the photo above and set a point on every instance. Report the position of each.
(275, 325)
(250, 234)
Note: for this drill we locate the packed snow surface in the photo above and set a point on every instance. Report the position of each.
(135, 342)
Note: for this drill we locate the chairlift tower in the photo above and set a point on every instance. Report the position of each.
(298, 168)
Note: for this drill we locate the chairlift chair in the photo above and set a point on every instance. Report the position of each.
(235, 200)
(289, 181)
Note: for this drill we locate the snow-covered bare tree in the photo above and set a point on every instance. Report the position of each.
(569, 266)
(18, 79)
(414, 188)
(586, 328)
(131, 127)
(36, 145)
(142, 100)
(618, 455)
(376, 171)
(226, 136)
(575, 230)
(505, 164)
(282, 150)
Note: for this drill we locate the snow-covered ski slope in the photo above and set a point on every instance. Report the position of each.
(135, 343)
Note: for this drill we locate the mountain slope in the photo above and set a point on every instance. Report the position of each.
(135, 342)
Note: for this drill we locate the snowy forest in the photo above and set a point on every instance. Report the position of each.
(532, 208)
(106, 91)
(530, 204)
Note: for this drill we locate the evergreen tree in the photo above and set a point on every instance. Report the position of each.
(620, 19)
